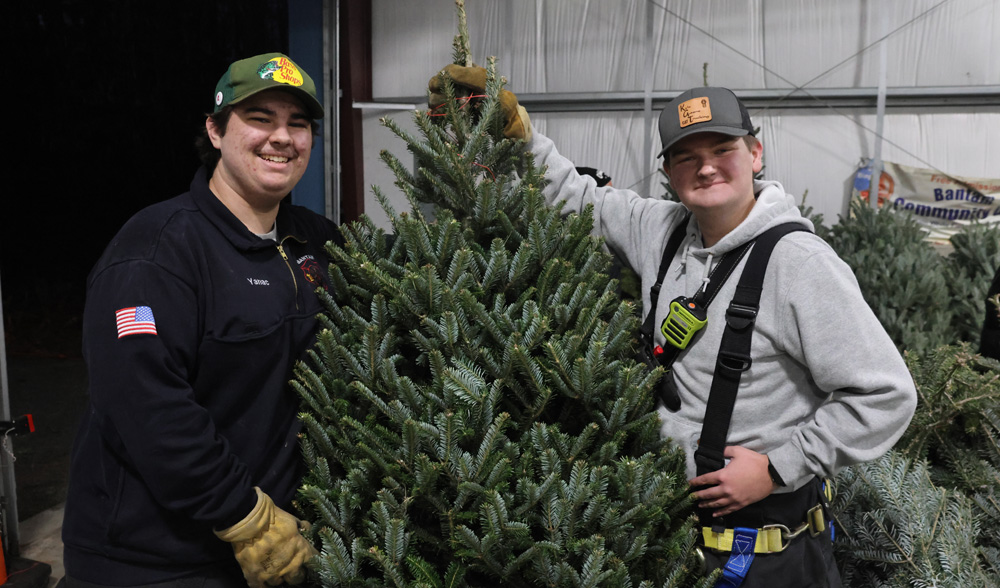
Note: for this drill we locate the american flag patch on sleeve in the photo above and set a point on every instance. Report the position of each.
(135, 320)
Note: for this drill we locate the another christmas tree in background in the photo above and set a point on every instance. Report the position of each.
(928, 513)
(475, 415)
(923, 298)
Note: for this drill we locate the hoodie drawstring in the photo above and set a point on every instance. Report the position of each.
(707, 272)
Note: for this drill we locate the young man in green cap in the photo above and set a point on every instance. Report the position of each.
(821, 387)
(187, 460)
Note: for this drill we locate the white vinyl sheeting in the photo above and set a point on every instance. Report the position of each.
(595, 46)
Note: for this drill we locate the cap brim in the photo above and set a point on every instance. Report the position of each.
(725, 130)
(312, 106)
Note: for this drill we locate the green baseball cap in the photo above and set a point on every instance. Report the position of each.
(247, 77)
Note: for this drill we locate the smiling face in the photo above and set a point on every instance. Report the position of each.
(713, 176)
(264, 149)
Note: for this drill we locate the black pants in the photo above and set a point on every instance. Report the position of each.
(214, 580)
(807, 562)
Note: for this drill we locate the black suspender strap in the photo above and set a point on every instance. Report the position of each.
(665, 356)
(669, 251)
(665, 390)
(734, 351)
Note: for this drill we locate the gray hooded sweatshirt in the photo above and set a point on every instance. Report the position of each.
(827, 387)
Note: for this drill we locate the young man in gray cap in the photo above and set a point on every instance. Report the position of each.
(824, 387)
(195, 314)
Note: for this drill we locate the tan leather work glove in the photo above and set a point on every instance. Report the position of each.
(269, 545)
(474, 78)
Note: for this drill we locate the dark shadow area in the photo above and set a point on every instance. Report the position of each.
(53, 390)
(105, 104)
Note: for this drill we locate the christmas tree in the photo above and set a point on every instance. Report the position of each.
(886, 248)
(927, 514)
(474, 413)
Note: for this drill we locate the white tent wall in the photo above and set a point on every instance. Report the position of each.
(546, 47)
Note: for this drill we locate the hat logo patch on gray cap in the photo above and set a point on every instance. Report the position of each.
(694, 111)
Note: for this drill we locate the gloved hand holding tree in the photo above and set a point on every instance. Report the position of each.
(473, 78)
(269, 545)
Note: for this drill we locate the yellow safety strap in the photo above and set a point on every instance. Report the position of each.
(770, 538)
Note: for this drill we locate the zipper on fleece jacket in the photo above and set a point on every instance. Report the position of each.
(288, 264)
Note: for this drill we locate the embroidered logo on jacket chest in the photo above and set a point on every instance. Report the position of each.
(312, 271)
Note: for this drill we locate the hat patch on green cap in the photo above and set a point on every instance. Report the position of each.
(282, 70)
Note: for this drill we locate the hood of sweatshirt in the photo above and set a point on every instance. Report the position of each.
(773, 207)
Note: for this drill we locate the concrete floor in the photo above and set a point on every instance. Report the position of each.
(45, 377)
(52, 389)
(41, 541)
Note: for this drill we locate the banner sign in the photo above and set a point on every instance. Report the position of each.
(941, 203)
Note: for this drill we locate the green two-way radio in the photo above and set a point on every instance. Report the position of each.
(684, 319)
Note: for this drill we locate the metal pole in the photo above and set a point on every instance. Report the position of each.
(876, 177)
(331, 104)
(944, 98)
(8, 487)
(331, 116)
(540, 76)
(647, 102)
